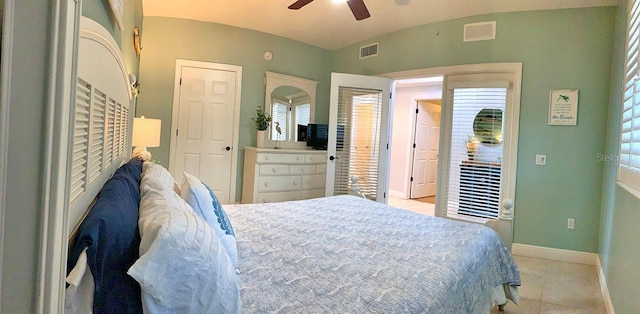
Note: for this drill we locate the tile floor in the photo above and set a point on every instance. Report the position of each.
(557, 287)
(547, 286)
(415, 206)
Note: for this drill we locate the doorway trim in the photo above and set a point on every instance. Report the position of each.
(236, 114)
(515, 69)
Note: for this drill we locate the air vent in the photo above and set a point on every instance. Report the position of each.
(369, 51)
(480, 31)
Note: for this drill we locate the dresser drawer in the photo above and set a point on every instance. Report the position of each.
(321, 168)
(280, 158)
(284, 183)
(307, 194)
(274, 169)
(315, 158)
(313, 182)
(278, 197)
(303, 169)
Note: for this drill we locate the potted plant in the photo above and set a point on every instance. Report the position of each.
(262, 120)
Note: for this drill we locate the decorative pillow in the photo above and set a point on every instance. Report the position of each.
(110, 236)
(182, 268)
(157, 171)
(204, 202)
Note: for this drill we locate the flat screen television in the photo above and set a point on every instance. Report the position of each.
(318, 136)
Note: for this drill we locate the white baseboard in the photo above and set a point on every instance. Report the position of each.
(568, 256)
(396, 194)
(554, 254)
(604, 289)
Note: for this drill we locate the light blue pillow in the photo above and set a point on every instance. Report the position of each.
(204, 202)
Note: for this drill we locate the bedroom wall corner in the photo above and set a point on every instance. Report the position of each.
(168, 39)
(552, 46)
(619, 209)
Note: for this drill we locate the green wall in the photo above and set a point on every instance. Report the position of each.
(619, 232)
(559, 49)
(168, 39)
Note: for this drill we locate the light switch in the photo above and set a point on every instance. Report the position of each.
(541, 160)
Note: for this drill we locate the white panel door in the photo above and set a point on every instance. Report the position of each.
(205, 128)
(358, 135)
(425, 161)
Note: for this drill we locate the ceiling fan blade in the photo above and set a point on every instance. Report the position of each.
(299, 4)
(358, 8)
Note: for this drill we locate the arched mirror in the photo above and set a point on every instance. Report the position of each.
(290, 108)
(290, 101)
(487, 126)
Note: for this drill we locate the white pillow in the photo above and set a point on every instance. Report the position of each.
(182, 268)
(158, 172)
(204, 202)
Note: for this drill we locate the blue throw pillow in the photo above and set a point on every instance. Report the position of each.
(204, 202)
(110, 233)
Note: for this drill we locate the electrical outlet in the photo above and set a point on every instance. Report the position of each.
(570, 223)
(541, 160)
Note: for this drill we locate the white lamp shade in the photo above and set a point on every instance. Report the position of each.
(146, 132)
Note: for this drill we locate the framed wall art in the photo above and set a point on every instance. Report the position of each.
(563, 107)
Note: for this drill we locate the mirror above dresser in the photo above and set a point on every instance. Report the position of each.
(291, 102)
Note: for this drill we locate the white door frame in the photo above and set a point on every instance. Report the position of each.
(236, 115)
(506, 230)
(383, 84)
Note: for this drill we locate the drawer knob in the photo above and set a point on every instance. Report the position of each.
(273, 169)
(295, 183)
(266, 184)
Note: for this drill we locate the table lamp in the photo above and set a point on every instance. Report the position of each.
(146, 133)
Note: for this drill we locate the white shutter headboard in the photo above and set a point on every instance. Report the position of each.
(102, 118)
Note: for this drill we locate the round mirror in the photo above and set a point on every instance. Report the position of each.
(487, 126)
(290, 113)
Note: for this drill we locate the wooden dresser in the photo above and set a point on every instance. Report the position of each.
(276, 175)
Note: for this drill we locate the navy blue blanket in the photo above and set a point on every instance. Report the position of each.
(110, 232)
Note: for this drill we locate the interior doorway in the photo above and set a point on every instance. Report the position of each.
(407, 161)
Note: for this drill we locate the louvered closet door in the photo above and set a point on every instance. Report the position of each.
(478, 153)
(358, 135)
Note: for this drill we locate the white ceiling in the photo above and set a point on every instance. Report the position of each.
(328, 25)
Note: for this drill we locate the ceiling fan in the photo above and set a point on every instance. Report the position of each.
(358, 8)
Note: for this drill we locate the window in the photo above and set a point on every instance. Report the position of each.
(279, 116)
(629, 166)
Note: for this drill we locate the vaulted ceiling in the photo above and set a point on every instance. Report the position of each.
(330, 25)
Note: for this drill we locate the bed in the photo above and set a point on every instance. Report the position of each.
(340, 254)
(153, 243)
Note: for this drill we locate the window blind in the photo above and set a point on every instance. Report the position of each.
(475, 169)
(302, 116)
(358, 138)
(629, 162)
(279, 113)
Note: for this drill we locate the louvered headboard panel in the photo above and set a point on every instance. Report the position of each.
(101, 132)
